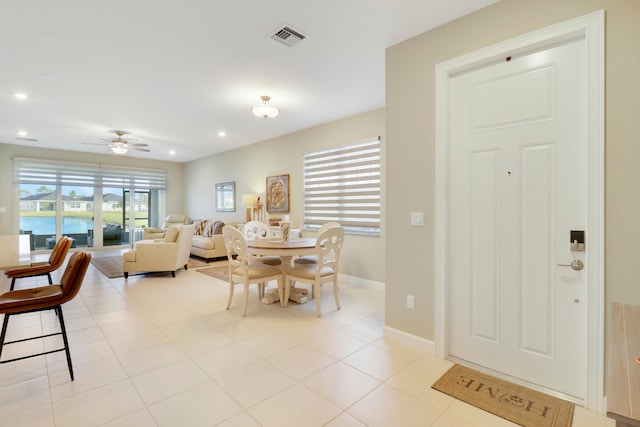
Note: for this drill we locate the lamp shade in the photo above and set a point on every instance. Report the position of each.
(249, 199)
(265, 110)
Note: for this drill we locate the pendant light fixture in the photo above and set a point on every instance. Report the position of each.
(265, 110)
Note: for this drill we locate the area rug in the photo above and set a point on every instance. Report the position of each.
(515, 403)
(221, 273)
(111, 266)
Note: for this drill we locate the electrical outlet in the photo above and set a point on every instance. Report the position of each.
(410, 301)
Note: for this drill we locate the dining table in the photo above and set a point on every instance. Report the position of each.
(286, 251)
(15, 252)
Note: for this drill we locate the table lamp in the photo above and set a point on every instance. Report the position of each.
(249, 200)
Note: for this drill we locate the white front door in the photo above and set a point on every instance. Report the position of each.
(518, 186)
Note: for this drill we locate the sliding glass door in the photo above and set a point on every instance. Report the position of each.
(76, 215)
(137, 204)
(38, 213)
(96, 205)
(47, 213)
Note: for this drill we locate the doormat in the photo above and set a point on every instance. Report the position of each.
(111, 266)
(510, 401)
(221, 273)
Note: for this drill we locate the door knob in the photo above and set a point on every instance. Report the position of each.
(576, 264)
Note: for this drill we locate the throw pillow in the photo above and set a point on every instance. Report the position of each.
(200, 227)
(172, 234)
(217, 227)
(208, 231)
(196, 223)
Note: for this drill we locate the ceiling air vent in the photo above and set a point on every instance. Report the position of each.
(288, 36)
(21, 138)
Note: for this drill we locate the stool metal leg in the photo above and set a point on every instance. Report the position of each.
(58, 310)
(3, 334)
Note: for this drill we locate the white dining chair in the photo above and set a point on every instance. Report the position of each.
(242, 270)
(325, 270)
(259, 230)
(304, 260)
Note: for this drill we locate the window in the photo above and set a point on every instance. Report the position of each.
(226, 197)
(52, 173)
(343, 184)
(73, 199)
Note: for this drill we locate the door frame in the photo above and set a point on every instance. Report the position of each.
(591, 27)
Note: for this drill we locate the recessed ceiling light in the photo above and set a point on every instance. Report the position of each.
(222, 133)
(172, 152)
(22, 133)
(20, 95)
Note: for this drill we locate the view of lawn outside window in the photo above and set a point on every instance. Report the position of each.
(48, 212)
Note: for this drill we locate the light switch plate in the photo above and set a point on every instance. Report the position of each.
(3, 210)
(417, 218)
(410, 301)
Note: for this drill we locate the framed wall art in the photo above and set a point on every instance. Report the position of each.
(278, 193)
(226, 197)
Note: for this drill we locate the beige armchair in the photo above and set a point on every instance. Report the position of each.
(167, 254)
(158, 233)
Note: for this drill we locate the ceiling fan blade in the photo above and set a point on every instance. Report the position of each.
(104, 139)
(140, 149)
(139, 145)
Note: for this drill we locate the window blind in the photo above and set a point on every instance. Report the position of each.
(343, 184)
(47, 172)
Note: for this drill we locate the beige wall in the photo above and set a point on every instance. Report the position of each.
(9, 221)
(363, 256)
(410, 109)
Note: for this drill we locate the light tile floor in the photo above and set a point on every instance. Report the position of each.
(161, 351)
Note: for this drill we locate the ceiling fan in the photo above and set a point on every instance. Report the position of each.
(120, 145)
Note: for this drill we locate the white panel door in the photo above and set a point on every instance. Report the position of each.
(517, 188)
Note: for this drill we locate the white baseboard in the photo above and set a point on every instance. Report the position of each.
(412, 340)
(360, 281)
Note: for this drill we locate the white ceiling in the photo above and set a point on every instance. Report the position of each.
(175, 73)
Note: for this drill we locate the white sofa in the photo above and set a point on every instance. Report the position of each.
(167, 254)
(207, 241)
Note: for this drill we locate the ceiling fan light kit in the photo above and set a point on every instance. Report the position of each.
(119, 148)
(265, 110)
(120, 145)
